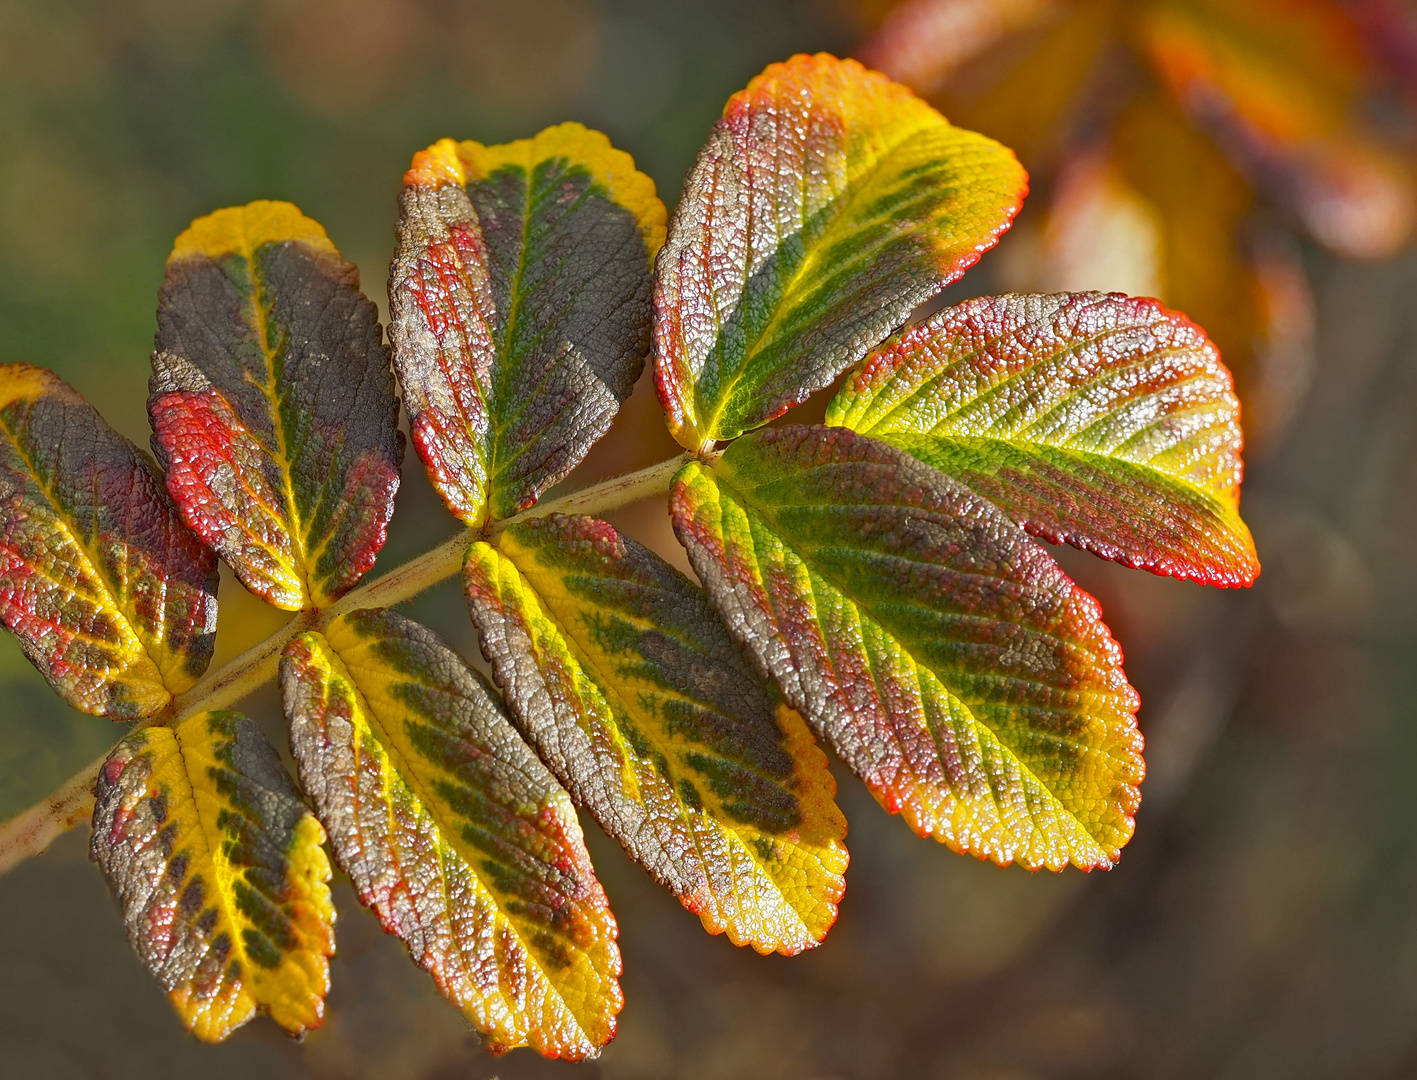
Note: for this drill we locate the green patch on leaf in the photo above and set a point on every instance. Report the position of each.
(636, 697)
(219, 871)
(453, 833)
(938, 649)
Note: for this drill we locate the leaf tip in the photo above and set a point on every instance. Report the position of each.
(436, 166)
(19, 381)
(243, 229)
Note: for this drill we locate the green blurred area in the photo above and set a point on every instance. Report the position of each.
(1261, 924)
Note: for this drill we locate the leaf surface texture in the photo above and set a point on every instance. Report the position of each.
(1101, 420)
(827, 203)
(219, 871)
(637, 699)
(520, 295)
(938, 649)
(273, 404)
(453, 832)
(112, 598)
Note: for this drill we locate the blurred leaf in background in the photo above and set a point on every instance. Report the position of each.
(1177, 144)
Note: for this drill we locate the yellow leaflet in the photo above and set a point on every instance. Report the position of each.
(640, 703)
(218, 867)
(453, 833)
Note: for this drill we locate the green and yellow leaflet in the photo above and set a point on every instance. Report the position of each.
(938, 649)
(1101, 420)
(453, 833)
(272, 403)
(826, 205)
(636, 697)
(218, 868)
(113, 600)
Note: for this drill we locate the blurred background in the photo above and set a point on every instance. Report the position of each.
(1248, 161)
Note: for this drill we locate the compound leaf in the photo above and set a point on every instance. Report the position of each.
(939, 650)
(638, 700)
(1097, 419)
(520, 298)
(113, 600)
(827, 203)
(453, 833)
(218, 868)
(272, 403)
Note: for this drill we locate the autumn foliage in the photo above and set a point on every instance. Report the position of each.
(875, 583)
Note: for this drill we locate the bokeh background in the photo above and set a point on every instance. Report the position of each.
(1263, 923)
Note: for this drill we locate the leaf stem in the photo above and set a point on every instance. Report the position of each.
(33, 830)
(609, 494)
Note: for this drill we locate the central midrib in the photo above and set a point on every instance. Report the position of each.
(906, 440)
(504, 349)
(769, 520)
(275, 401)
(394, 751)
(225, 872)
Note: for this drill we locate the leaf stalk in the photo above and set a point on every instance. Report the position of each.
(32, 831)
